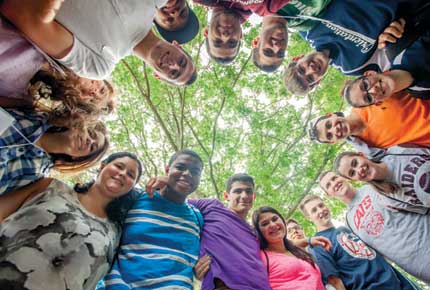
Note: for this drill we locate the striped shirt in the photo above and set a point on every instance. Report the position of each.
(22, 165)
(159, 247)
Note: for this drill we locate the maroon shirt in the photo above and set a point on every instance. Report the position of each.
(246, 7)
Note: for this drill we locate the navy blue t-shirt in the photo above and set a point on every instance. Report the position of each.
(416, 60)
(357, 265)
(353, 48)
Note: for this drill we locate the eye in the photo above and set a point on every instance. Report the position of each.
(281, 53)
(354, 162)
(180, 167)
(217, 42)
(328, 125)
(310, 79)
(268, 52)
(130, 174)
(183, 62)
(301, 70)
(368, 98)
(232, 43)
(351, 173)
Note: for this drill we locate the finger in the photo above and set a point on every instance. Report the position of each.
(402, 22)
(149, 184)
(394, 31)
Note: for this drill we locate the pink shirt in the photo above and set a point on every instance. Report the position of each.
(290, 273)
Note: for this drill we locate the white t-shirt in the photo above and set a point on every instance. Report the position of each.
(410, 169)
(402, 237)
(104, 32)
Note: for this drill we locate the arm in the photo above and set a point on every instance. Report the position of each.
(12, 201)
(29, 16)
(313, 242)
(336, 282)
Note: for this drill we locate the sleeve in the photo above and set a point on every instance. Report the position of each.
(201, 204)
(86, 63)
(326, 262)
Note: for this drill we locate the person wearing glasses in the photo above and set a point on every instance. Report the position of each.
(295, 231)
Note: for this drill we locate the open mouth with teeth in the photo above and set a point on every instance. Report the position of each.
(118, 180)
(184, 183)
(324, 215)
(364, 171)
(338, 186)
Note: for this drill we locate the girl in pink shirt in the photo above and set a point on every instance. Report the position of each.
(289, 267)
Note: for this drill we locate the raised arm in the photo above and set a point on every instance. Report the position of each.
(12, 201)
(336, 282)
(35, 20)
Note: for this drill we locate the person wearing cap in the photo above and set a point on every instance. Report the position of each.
(90, 37)
(399, 120)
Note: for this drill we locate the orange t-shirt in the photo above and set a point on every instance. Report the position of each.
(398, 120)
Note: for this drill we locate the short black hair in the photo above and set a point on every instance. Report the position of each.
(238, 177)
(313, 132)
(184, 152)
(265, 68)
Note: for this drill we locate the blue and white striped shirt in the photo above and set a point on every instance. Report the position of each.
(159, 247)
(22, 165)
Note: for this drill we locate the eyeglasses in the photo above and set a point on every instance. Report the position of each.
(293, 229)
(365, 87)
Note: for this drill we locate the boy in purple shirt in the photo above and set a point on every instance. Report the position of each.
(228, 239)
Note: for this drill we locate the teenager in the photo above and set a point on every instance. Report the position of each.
(73, 234)
(295, 231)
(345, 42)
(32, 147)
(90, 45)
(398, 235)
(161, 236)
(288, 266)
(399, 120)
(229, 240)
(401, 174)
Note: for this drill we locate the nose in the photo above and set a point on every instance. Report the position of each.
(225, 31)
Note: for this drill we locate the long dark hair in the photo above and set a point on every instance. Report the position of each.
(117, 209)
(296, 251)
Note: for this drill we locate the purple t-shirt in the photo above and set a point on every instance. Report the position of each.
(233, 247)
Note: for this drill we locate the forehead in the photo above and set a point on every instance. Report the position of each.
(329, 176)
(241, 185)
(187, 160)
(292, 224)
(313, 203)
(130, 163)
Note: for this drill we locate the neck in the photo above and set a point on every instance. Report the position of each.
(94, 201)
(269, 20)
(242, 214)
(348, 197)
(356, 124)
(172, 195)
(144, 48)
(381, 171)
(278, 247)
(402, 79)
(51, 142)
(327, 226)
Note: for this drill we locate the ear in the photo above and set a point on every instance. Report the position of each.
(315, 84)
(102, 165)
(369, 73)
(175, 43)
(360, 154)
(226, 195)
(254, 196)
(298, 57)
(328, 114)
(166, 170)
(157, 76)
(206, 32)
(255, 41)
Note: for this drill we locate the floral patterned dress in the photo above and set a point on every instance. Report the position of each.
(53, 243)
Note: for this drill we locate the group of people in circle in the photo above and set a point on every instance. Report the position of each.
(109, 233)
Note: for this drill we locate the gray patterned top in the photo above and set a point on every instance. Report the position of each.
(53, 242)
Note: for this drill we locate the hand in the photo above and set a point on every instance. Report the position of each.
(156, 183)
(393, 32)
(202, 267)
(48, 10)
(322, 242)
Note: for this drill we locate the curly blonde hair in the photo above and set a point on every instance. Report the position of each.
(66, 98)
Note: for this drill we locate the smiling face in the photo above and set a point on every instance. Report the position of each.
(318, 213)
(336, 186)
(171, 63)
(184, 175)
(118, 177)
(240, 198)
(272, 228)
(333, 129)
(372, 88)
(224, 34)
(82, 142)
(173, 15)
(272, 44)
(294, 231)
(311, 68)
(357, 168)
